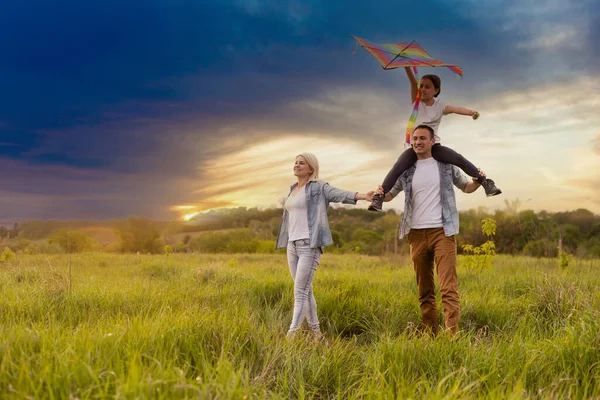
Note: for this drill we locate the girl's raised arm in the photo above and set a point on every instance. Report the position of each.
(413, 84)
(461, 111)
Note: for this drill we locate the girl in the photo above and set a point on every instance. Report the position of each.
(430, 113)
(304, 230)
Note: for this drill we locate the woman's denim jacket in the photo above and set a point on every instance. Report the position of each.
(318, 196)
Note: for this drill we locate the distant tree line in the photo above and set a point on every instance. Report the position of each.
(538, 234)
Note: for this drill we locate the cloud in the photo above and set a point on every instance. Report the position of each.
(255, 60)
(582, 177)
(554, 38)
(150, 101)
(260, 175)
(295, 11)
(589, 193)
(544, 110)
(519, 132)
(33, 191)
(355, 121)
(596, 144)
(356, 133)
(552, 134)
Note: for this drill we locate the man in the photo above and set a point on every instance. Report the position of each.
(430, 221)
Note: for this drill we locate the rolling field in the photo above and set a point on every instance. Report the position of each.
(213, 326)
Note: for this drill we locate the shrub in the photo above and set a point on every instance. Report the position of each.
(7, 255)
(139, 234)
(232, 241)
(71, 241)
(482, 255)
(266, 246)
(540, 248)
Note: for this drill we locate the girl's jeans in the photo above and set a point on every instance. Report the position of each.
(440, 153)
(303, 261)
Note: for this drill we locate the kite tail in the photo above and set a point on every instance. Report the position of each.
(413, 114)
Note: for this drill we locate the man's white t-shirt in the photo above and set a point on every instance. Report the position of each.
(298, 216)
(431, 116)
(426, 195)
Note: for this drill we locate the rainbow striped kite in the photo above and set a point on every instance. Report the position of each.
(392, 56)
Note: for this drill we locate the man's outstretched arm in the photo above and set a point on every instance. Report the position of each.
(473, 185)
(388, 196)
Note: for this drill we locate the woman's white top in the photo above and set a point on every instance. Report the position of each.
(297, 210)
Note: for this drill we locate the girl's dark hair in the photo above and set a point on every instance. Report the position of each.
(437, 82)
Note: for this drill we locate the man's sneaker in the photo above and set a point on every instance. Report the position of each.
(376, 203)
(490, 188)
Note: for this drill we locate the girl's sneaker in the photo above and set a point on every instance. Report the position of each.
(489, 186)
(376, 203)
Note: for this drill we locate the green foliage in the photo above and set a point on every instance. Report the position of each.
(232, 241)
(337, 239)
(232, 262)
(266, 246)
(541, 248)
(168, 249)
(481, 256)
(488, 227)
(71, 241)
(565, 259)
(233, 218)
(590, 248)
(364, 241)
(139, 234)
(7, 255)
(517, 231)
(42, 247)
(38, 229)
(367, 237)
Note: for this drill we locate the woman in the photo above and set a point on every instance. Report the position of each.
(304, 231)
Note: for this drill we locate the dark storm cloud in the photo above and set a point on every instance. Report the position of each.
(154, 88)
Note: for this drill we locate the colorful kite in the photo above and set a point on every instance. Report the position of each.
(411, 54)
(392, 56)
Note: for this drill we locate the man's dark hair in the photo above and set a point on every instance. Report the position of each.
(430, 129)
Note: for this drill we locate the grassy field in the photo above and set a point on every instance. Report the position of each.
(213, 326)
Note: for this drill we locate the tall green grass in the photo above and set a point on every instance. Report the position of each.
(213, 326)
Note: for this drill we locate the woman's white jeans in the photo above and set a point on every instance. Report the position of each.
(303, 261)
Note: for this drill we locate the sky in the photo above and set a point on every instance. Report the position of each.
(167, 108)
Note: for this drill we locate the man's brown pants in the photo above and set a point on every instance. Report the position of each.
(426, 247)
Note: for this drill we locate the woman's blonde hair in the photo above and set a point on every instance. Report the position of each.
(313, 163)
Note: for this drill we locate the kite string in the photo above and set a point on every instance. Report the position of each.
(413, 115)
